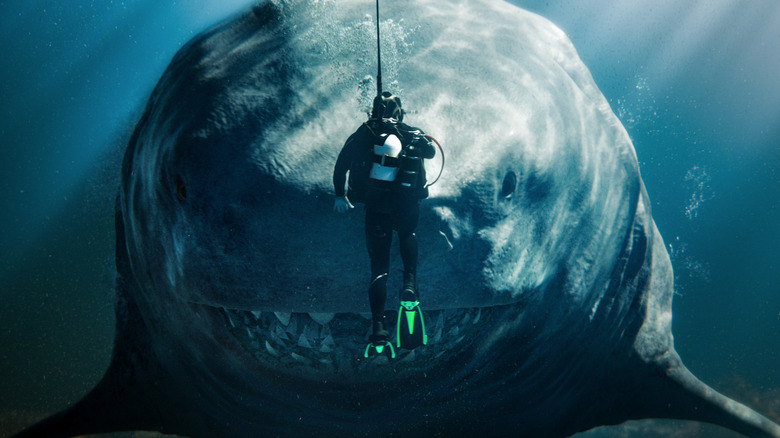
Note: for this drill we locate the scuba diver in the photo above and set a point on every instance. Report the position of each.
(384, 157)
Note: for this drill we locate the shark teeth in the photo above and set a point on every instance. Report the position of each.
(303, 341)
(278, 335)
(300, 358)
(322, 318)
(328, 345)
(292, 326)
(271, 350)
(438, 328)
(283, 317)
(319, 345)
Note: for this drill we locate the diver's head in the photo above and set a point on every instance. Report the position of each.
(387, 106)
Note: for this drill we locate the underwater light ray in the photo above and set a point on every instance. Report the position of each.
(687, 37)
(64, 111)
(66, 99)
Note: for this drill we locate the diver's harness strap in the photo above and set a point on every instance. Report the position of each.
(386, 161)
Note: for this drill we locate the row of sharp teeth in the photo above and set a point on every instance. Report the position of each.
(321, 318)
(284, 329)
(330, 340)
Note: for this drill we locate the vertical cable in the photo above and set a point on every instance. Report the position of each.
(378, 55)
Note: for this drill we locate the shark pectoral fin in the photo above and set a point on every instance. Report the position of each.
(128, 397)
(701, 402)
(134, 393)
(674, 392)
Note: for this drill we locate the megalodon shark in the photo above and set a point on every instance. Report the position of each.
(241, 297)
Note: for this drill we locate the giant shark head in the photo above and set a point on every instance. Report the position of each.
(242, 296)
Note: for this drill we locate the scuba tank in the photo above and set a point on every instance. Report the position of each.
(386, 159)
(409, 168)
(392, 163)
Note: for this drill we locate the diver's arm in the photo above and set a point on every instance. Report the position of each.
(341, 204)
(340, 172)
(343, 163)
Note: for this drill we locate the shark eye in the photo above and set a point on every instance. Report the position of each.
(509, 185)
(181, 190)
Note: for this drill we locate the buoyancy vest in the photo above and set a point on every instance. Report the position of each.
(388, 169)
(394, 160)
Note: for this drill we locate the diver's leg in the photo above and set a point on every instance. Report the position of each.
(378, 239)
(408, 246)
(407, 239)
(377, 295)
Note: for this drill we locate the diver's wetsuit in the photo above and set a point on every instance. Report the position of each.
(395, 210)
(379, 236)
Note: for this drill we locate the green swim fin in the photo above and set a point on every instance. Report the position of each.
(378, 348)
(410, 329)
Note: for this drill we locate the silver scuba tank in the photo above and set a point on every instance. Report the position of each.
(386, 162)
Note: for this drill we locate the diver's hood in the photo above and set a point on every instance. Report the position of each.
(387, 106)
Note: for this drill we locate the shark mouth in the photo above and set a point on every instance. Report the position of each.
(320, 346)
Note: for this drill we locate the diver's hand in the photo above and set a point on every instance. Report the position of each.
(342, 205)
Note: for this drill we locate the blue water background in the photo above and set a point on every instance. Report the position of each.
(695, 83)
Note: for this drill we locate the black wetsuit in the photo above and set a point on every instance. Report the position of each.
(394, 210)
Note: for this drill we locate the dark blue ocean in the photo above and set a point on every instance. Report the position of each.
(695, 83)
